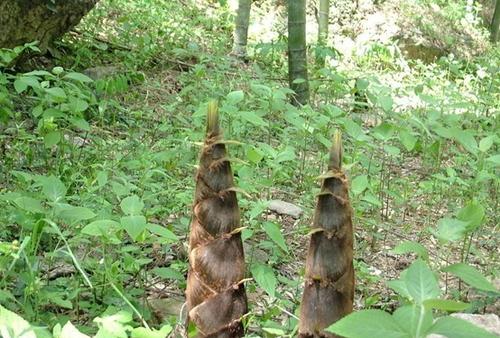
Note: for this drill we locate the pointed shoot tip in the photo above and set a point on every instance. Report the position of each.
(213, 118)
(336, 151)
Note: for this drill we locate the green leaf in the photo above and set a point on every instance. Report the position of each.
(29, 204)
(53, 188)
(445, 305)
(100, 228)
(13, 325)
(80, 123)
(132, 205)
(162, 231)
(414, 319)
(273, 231)
(385, 102)
(56, 92)
(411, 246)
(254, 155)
(76, 214)
(399, 286)
(486, 143)
(407, 139)
(495, 159)
(133, 225)
(168, 273)
(359, 184)
(354, 130)
(20, 86)
(450, 229)
(253, 118)
(274, 331)
(368, 324)
(467, 140)
(265, 278)
(473, 214)
(51, 139)
(457, 328)
(471, 276)
(235, 97)
(142, 332)
(78, 77)
(421, 282)
(70, 331)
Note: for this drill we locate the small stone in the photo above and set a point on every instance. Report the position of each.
(285, 208)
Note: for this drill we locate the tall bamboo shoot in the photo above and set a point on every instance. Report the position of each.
(329, 276)
(215, 293)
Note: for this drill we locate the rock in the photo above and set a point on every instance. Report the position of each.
(101, 72)
(489, 322)
(285, 208)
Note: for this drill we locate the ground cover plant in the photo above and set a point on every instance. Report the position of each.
(99, 145)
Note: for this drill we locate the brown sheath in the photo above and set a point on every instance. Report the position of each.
(329, 275)
(215, 293)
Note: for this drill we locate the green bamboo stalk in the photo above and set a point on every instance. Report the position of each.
(297, 52)
(241, 28)
(329, 276)
(215, 294)
(324, 10)
(495, 23)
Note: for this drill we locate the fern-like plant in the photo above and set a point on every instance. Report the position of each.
(329, 276)
(215, 293)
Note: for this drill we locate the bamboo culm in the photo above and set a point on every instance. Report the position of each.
(297, 52)
(329, 275)
(216, 298)
(241, 28)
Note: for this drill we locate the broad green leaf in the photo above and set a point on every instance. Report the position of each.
(56, 92)
(353, 129)
(53, 188)
(70, 331)
(450, 229)
(445, 305)
(359, 184)
(421, 282)
(254, 155)
(411, 246)
(471, 276)
(142, 332)
(414, 319)
(473, 214)
(383, 131)
(385, 102)
(80, 123)
(78, 77)
(13, 325)
(495, 159)
(486, 143)
(132, 205)
(52, 138)
(407, 139)
(235, 97)
(162, 231)
(100, 228)
(265, 278)
(467, 140)
(168, 273)
(368, 324)
(76, 214)
(253, 118)
(20, 86)
(458, 328)
(133, 225)
(399, 286)
(29, 204)
(113, 325)
(273, 231)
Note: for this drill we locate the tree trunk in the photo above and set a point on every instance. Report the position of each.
(215, 294)
(329, 276)
(324, 11)
(297, 52)
(24, 21)
(495, 23)
(241, 28)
